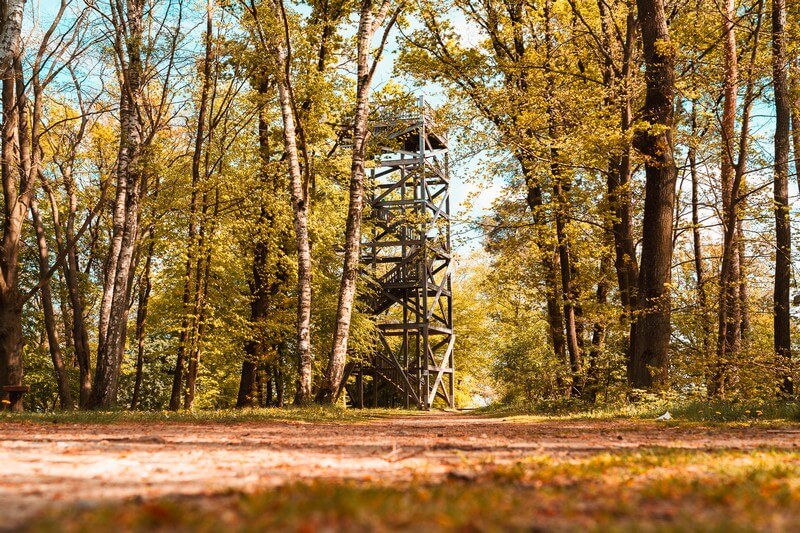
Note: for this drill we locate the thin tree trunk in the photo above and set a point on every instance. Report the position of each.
(260, 289)
(592, 385)
(699, 267)
(729, 314)
(130, 178)
(191, 282)
(648, 357)
(783, 241)
(744, 297)
(299, 199)
(569, 291)
(70, 269)
(549, 259)
(617, 81)
(368, 24)
(794, 84)
(194, 261)
(200, 301)
(145, 288)
(54, 344)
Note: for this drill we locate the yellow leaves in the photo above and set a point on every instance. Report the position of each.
(665, 48)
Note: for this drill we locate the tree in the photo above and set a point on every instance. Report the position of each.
(141, 116)
(191, 284)
(370, 21)
(298, 187)
(783, 237)
(17, 195)
(729, 332)
(648, 358)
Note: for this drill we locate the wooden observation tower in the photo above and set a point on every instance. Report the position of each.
(406, 252)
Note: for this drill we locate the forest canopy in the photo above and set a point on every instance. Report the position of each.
(187, 187)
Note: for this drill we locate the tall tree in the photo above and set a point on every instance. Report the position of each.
(17, 195)
(191, 284)
(648, 355)
(280, 45)
(128, 26)
(51, 328)
(144, 45)
(729, 332)
(783, 238)
(370, 20)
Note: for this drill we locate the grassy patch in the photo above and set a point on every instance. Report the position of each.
(698, 411)
(656, 489)
(332, 414)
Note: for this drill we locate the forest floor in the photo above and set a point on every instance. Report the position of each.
(442, 470)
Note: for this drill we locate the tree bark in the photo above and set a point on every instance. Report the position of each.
(729, 313)
(53, 342)
(368, 24)
(130, 186)
(10, 29)
(191, 285)
(299, 200)
(70, 268)
(699, 267)
(648, 357)
(618, 183)
(569, 291)
(17, 194)
(549, 259)
(783, 241)
(592, 384)
(145, 287)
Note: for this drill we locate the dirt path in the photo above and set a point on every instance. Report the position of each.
(55, 464)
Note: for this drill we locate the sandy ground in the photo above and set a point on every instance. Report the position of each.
(46, 465)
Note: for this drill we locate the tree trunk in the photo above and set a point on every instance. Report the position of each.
(260, 288)
(548, 257)
(617, 82)
(191, 281)
(54, 344)
(569, 291)
(10, 29)
(299, 199)
(130, 186)
(795, 103)
(200, 308)
(729, 314)
(145, 287)
(70, 269)
(648, 357)
(783, 241)
(699, 267)
(16, 199)
(329, 389)
(592, 385)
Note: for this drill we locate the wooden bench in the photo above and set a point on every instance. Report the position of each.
(15, 394)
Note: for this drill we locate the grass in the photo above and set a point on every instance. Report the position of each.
(654, 489)
(315, 414)
(694, 411)
(682, 412)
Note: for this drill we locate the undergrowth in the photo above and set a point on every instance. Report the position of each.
(706, 411)
(221, 416)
